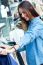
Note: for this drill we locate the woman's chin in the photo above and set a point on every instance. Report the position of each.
(27, 19)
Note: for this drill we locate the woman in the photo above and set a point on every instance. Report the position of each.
(32, 41)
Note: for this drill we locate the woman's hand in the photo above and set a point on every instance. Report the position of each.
(3, 52)
(5, 49)
(8, 49)
(5, 46)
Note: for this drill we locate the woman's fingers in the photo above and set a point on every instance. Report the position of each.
(3, 52)
(5, 47)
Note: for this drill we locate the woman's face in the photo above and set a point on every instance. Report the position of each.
(25, 14)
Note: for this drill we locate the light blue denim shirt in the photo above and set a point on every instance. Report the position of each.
(32, 42)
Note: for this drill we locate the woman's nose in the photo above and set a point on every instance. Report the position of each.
(23, 15)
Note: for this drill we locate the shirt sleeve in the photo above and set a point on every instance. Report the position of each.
(28, 37)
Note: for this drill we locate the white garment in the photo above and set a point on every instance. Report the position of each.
(16, 35)
(3, 11)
